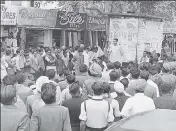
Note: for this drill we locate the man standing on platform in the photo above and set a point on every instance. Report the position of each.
(116, 52)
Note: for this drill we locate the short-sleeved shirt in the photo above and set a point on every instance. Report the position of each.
(97, 113)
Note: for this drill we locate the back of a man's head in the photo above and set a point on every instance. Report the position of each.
(106, 87)
(125, 82)
(114, 75)
(166, 88)
(110, 65)
(144, 75)
(8, 93)
(83, 68)
(20, 77)
(117, 65)
(97, 88)
(9, 80)
(135, 73)
(70, 79)
(48, 93)
(50, 74)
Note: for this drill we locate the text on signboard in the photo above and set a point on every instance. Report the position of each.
(71, 18)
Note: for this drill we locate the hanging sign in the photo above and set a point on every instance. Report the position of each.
(96, 23)
(8, 15)
(71, 20)
(36, 17)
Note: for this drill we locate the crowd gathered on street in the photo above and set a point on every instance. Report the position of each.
(81, 89)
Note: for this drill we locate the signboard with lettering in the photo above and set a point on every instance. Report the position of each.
(8, 15)
(96, 23)
(36, 17)
(71, 20)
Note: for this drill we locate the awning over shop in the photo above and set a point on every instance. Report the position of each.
(169, 27)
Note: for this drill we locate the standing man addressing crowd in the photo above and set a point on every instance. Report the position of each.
(116, 52)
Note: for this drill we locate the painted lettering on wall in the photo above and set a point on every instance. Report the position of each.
(8, 15)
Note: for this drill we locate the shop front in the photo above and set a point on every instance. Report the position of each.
(36, 26)
(96, 27)
(70, 29)
(8, 25)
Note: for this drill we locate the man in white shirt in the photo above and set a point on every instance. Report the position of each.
(139, 102)
(96, 113)
(116, 52)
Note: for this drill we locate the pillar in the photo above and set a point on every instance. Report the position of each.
(96, 38)
(69, 38)
(75, 39)
(90, 38)
(62, 40)
(48, 38)
(79, 37)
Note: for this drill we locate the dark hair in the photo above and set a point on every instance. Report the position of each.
(76, 48)
(83, 68)
(50, 73)
(114, 75)
(117, 65)
(158, 54)
(61, 73)
(146, 66)
(144, 75)
(74, 88)
(8, 93)
(8, 52)
(18, 51)
(48, 93)
(9, 80)
(106, 87)
(166, 87)
(153, 71)
(20, 77)
(124, 71)
(110, 65)
(164, 70)
(66, 72)
(135, 73)
(70, 79)
(97, 88)
(125, 82)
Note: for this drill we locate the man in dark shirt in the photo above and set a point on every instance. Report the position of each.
(74, 105)
(165, 101)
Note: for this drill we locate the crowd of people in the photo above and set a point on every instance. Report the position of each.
(53, 89)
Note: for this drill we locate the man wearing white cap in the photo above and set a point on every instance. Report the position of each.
(121, 97)
(30, 99)
(167, 77)
(139, 102)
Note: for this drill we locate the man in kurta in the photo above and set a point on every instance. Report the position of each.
(116, 52)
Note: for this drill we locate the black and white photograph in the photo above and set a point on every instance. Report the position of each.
(88, 65)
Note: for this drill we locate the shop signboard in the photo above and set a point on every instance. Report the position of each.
(8, 14)
(36, 17)
(71, 20)
(96, 23)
